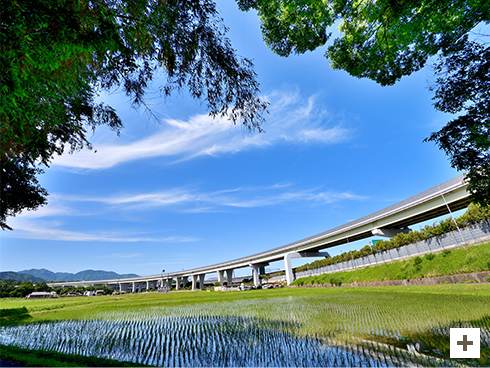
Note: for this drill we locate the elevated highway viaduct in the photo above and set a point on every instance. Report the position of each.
(445, 198)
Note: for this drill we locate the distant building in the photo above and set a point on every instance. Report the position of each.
(74, 293)
(42, 294)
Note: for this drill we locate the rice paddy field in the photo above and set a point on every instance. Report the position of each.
(291, 327)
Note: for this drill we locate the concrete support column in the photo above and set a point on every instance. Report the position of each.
(134, 287)
(186, 281)
(147, 285)
(220, 277)
(177, 286)
(287, 266)
(201, 280)
(169, 283)
(229, 277)
(120, 287)
(287, 262)
(255, 274)
(194, 280)
(256, 271)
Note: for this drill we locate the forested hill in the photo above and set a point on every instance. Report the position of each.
(10, 275)
(86, 275)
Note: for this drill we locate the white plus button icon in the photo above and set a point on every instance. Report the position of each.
(464, 343)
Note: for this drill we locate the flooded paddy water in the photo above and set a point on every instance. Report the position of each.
(185, 342)
(278, 332)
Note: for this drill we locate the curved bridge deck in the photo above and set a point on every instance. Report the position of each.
(445, 198)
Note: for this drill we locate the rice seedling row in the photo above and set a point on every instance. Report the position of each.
(317, 328)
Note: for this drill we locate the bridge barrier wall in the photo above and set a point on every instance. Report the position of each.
(473, 234)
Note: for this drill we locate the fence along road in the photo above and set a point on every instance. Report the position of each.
(445, 198)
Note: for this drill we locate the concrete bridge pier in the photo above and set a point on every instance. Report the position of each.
(201, 280)
(287, 262)
(255, 272)
(194, 281)
(169, 282)
(220, 277)
(229, 276)
(177, 285)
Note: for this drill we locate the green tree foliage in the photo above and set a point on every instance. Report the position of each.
(19, 189)
(387, 39)
(56, 56)
(24, 289)
(463, 88)
(20, 289)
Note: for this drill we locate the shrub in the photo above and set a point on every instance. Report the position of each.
(417, 260)
(446, 252)
(430, 256)
(336, 281)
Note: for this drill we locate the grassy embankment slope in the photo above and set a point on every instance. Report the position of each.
(417, 314)
(475, 258)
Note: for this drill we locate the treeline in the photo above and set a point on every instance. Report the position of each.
(19, 290)
(22, 289)
(474, 214)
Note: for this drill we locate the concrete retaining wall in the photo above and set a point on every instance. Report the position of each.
(467, 278)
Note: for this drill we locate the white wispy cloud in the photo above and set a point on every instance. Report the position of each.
(49, 222)
(56, 207)
(245, 197)
(292, 119)
(52, 230)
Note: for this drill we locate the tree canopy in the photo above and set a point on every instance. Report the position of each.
(385, 40)
(56, 57)
(463, 88)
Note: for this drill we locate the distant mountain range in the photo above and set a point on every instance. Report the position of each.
(46, 275)
(10, 275)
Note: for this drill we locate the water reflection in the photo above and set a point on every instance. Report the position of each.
(210, 341)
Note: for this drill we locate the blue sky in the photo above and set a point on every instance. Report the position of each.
(186, 191)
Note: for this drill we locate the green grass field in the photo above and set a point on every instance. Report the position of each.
(383, 318)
